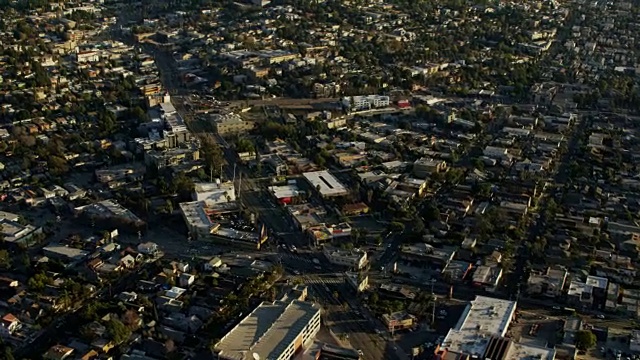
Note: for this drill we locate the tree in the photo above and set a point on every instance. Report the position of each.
(117, 331)
(5, 260)
(585, 340)
(131, 320)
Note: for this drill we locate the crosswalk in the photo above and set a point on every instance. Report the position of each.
(295, 258)
(322, 281)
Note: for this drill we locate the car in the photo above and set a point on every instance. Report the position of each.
(296, 272)
(600, 316)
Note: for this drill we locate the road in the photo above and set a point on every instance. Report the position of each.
(346, 318)
(560, 175)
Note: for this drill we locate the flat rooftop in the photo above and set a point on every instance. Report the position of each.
(195, 215)
(268, 330)
(109, 208)
(483, 318)
(326, 183)
(285, 191)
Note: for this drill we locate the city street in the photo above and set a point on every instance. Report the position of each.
(351, 322)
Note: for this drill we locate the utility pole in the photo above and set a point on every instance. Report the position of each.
(433, 302)
(239, 187)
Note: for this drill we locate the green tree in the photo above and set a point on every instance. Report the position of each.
(585, 340)
(117, 331)
(5, 260)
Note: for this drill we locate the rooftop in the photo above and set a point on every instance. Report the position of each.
(326, 183)
(268, 330)
(109, 208)
(483, 318)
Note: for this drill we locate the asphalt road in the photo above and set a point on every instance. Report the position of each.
(560, 175)
(344, 316)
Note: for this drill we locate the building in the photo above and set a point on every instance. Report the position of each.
(325, 183)
(483, 318)
(111, 215)
(353, 259)
(285, 194)
(322, 233)
(230, 124)
(366, 102)
(272, 331)
(550, 283)
(583, 293)
(359, 282)
(424, 167)
(65, 253)
(398, 321)
(14, 232)
(427, 254)
(58, 352)
(200, 225)
(214, 193)
(148, 248)
(486, 275)
(480, 334)
(8, 325)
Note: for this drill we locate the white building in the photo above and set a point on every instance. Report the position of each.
(354, 259)
(366, 102)
(480, 331)
(274, 331)
(483, 318)
(325, 183)
(214, 193)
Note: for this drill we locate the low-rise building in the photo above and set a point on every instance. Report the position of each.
(428, 254)
(214, 193)
(65, 253)
(230, 124)
(14, 232)
(275, 330)
(550, 283)
(398, 321)
(424, 167)
(354, 259)
(325, 184)
(359, 282)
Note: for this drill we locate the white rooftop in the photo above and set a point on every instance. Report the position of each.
(327, 184)
(267, 331)
(483, 318)
(285, 191)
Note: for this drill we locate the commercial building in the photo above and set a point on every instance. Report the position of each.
(214, 193)
(322, 233)
(325, 183)
(306, 216)
(354, 259)
(483, 318)
(285, 194)
(65, 253)
(398, 321)
(229, 124)
(366, 102)
(274, 331)
(14, 232)
(480, 331)
(359, 282)
(111, 215)
(428, 254)
(200, 225)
